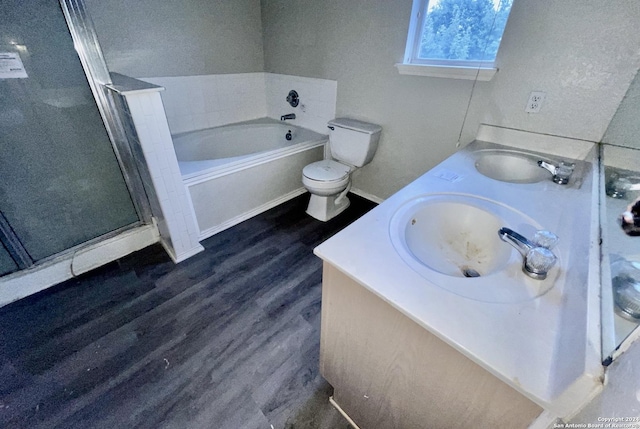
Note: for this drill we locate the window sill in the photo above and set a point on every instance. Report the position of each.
(483, 74)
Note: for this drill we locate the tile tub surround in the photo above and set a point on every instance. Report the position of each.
(207, 101)
(547, 348)
(199, 102)
(317, 100)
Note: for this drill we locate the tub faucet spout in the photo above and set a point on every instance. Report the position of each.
(537, 258)
(288, 116)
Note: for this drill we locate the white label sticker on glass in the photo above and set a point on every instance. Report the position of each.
(11, 66)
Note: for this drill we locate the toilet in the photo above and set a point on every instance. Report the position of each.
(353, 144)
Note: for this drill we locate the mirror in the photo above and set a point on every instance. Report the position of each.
(620, 154)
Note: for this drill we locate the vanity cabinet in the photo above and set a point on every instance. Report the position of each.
(389, 372)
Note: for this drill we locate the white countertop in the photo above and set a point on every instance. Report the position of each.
(547, 348)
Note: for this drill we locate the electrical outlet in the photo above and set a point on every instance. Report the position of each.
(536, 98)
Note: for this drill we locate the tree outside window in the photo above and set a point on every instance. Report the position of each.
(463, 30)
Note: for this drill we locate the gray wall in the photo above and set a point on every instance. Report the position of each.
(583, 54)
(145, 38)
(357, 43)
(624, 129)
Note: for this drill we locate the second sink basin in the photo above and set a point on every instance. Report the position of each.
(510, 166)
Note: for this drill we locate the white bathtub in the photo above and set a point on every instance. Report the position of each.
(236, 171)
(231, 146)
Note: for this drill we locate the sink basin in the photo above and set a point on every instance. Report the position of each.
(452, 241)
(456, 238)
(510, 166)
(456, 234)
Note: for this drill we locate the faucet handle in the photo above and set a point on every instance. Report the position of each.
(538, 262)
(546, 239)
(564, 170)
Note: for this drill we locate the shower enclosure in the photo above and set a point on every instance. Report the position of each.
(62, 181)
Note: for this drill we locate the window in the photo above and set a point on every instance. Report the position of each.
(456, 38)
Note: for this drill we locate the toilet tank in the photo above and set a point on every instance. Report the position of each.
(353, 142)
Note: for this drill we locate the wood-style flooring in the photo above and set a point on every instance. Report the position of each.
(226, 339)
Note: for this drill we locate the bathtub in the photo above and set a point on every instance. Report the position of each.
(230, 146)
(236, 171)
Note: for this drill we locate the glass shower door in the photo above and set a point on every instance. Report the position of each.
(60, 181)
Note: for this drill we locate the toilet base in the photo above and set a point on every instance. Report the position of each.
(325, 208)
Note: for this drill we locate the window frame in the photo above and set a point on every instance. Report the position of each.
(455, 69)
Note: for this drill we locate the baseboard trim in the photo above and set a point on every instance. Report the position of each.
(543, 421)
(366, 195)
(249, 214)
(341, 411)
(177, 258)
(30, 281)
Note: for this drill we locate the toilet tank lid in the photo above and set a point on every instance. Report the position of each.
(354, 124)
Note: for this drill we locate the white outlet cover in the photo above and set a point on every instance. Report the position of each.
(534, 104)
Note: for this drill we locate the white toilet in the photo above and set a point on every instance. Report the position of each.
(353, 144)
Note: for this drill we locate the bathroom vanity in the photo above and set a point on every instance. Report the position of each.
(407, 341)
(390, 372)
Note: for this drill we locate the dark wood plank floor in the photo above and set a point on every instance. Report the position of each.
(226, 339)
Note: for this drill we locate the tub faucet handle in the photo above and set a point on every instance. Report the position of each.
(293, 98)
(288, 116)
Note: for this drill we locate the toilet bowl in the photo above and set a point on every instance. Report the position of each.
(353, 144)
(328, 182)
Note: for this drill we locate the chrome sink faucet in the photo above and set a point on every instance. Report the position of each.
(538, 259)
(288, 116)
(561, 173)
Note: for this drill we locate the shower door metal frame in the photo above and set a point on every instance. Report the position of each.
(13, 245)
(86, 44)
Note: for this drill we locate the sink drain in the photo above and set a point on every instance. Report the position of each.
(469, 272)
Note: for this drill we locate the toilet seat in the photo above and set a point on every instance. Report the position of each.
(327, 174)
